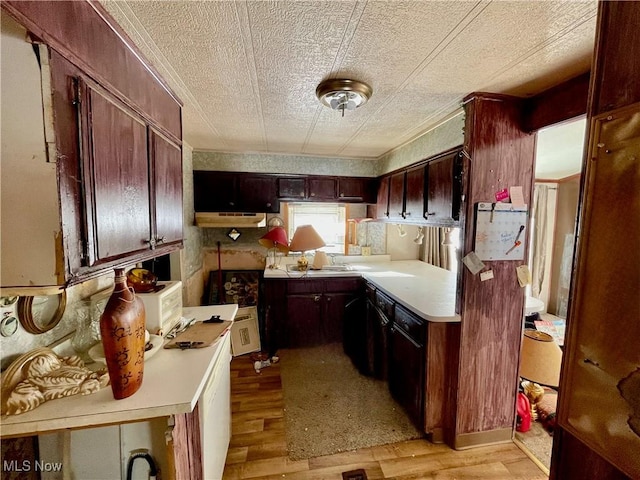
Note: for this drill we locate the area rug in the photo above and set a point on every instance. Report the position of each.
(538, 441)
(330, 407)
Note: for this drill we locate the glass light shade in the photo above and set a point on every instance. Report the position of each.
(540, 359)
(275, 238)
(305, 238)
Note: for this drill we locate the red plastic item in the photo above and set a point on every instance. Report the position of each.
(523, 422)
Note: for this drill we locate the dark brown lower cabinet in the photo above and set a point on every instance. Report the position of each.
(304, 320)
(355, 333)
(377, 342)
(406, 372)
(307, 312)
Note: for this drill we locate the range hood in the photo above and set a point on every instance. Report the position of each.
(231, 219)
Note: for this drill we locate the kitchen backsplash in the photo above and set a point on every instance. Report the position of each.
(76, 315)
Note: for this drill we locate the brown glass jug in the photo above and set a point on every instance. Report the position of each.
(122, 327)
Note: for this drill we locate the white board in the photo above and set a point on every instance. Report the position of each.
(498, 227)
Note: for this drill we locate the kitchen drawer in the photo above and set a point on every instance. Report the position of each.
(351, 284)
(413, 325)
(384, 303)
(305, 286)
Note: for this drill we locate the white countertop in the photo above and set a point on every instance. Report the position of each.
(430, 292)
(173, 382)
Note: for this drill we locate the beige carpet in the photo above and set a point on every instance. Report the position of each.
(331, 408)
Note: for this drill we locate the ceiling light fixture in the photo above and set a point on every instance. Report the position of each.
(343, 94)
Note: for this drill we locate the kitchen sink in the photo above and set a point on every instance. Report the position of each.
(337, 268)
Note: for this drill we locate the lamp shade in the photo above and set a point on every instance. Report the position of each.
(540, 359)
(275, 238)
(305, 238)
(320, 260)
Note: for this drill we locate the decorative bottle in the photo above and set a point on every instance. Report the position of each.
(122, 328)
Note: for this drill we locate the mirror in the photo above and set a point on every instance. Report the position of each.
(40, 314)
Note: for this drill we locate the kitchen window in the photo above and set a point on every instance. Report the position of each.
(328, 219)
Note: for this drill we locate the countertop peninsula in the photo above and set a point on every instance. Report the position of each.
(173, 382)
(428, 291)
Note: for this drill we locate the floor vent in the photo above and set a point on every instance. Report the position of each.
(354, 475)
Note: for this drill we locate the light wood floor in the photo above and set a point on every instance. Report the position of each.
(258, 448)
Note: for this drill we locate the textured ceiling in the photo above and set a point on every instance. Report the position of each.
(247, 70)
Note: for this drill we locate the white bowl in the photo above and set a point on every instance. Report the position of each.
(97, 352)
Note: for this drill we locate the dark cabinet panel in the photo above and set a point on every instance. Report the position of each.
(294, 188)
(167, 175)
(414, 194)
(357, 189)
(234, 192)
(444, 190)
(382, 202)
(214, 191)
(306, 312)
(116, 177)
(334, 311)
(257, 193)
(275, 311)
(396, 196)
(427, 193)
(377, 341)
(406, 373)
(304, 320)
(355, 333)
(322, 188)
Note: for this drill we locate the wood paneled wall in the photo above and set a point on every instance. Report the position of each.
(501, 155)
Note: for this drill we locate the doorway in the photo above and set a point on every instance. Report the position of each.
(558, 166)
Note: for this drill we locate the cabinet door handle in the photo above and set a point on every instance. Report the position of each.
(159, 240)
(328, 299)
(268, 204)
(316, 298)
(431, 213)
(151, 242)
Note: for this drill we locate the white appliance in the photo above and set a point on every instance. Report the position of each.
(163, 308)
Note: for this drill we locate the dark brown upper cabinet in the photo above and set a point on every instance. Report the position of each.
(215, 191)
(406, 189)
(414, 194)
(132, 178)
(294, 188)
(382, 203)
(167, 190)
(357, 189)
(258, 193)
(253, 192)
(396, 196)
(234, 192)
(428, 192)
(116, 167)
(113, 160)
(322, 188)
(444, 190)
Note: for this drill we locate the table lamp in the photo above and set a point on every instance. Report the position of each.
(276, 241)
(305, 238)
(540, 362)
